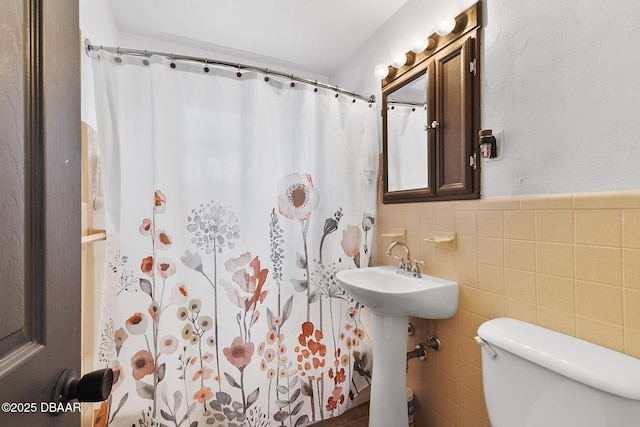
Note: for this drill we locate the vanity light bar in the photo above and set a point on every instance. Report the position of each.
(461, 23)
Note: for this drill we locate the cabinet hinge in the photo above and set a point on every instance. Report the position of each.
(472, 67)
(473, 161)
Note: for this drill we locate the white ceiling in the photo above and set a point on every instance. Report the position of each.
(315, 36)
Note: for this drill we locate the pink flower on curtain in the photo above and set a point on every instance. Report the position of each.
(179, 294)
(297, 197)
(234, 263)
(250, 282)
(204, 373)
(168, 344)
(118, 374)
(154, 311)
(166, 268)
(142, 364)
(160, 202)
(239, 354)
(145, 228)
(136, 324)
(351, 240)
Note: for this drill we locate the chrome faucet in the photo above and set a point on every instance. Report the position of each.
(405, 267)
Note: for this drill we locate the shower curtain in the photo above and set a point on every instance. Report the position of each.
(231, 200)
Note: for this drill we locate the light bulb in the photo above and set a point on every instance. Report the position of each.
(399, 61)
(446, 27)
(419, 44)
(381, 71)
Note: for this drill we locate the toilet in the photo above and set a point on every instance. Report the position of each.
(536, 377)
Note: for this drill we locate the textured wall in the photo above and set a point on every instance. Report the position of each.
(556, 78)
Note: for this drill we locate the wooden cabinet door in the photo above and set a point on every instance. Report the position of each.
(456, 113)
(40, 207)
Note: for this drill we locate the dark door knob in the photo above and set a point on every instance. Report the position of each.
(92, 387)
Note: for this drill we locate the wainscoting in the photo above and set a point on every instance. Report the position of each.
(567, 262)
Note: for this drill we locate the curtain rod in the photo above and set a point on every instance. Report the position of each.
(407, 103)
(146, 53)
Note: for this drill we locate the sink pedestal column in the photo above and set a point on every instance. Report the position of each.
(388, 406)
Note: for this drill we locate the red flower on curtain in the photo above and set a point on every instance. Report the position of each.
(311, 352)
(163, 240)
(147, 266)
(250, 282)
(335, 398)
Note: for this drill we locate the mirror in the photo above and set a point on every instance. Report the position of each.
(431, 118)
(407, 136)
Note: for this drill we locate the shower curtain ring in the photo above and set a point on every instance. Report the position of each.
(292, 84)
(206, 65)
(145, 61)
(315, 89)
(239, 74)
(266, 74)
(118, 59)
(173, 64)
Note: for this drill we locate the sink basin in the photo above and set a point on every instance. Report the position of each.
(388, 293)
(392, 297)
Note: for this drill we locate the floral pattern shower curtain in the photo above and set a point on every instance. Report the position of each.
(231, 202)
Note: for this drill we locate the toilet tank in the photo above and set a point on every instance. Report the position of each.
(536, 377)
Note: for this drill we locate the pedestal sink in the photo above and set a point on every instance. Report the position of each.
(392, 297)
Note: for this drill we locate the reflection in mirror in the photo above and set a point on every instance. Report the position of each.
(407, 137)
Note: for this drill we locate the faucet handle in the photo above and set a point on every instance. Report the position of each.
(415, 268)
